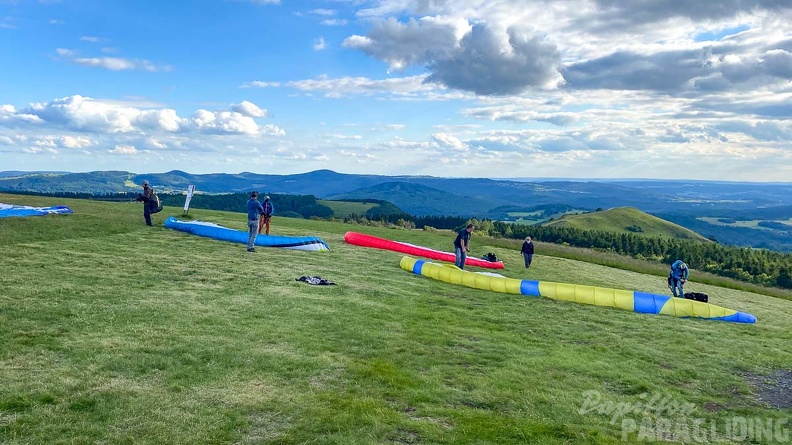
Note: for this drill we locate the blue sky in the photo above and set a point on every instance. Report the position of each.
(476, 88)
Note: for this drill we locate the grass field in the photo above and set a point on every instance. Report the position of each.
(343, 209)
(118, 333)
(753, 224)
(620, 218)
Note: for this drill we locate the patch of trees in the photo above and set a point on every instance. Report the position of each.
(736, 236)
(407, 220)
(751, 265)
(775, 225)
(285, 205)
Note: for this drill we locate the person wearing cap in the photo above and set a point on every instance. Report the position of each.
(145, 197)
(527, 251)
(254, 210)
(677, 278)
(264, 221)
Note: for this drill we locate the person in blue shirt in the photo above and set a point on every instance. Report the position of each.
(254, 209)
(462, 245)
(145, 198)
(269, 209)
(677, 278)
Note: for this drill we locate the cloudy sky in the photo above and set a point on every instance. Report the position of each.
(475, 88)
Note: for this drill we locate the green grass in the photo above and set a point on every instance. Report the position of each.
(619, 219)
(118, 333)
(752, 224)
(343, 209)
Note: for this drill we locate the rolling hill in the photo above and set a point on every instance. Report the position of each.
(418, 199)
(683, 202)
(625, 220)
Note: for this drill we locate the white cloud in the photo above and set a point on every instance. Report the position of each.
(118, 64)
(480, 58)
(355, 85)
(91, 39)
(63, 141)
(446, 140)
(261, 84)
(319, 44)
(334, 22)
(124, 150)
(324, 12)
(84, 114)
(249, 109)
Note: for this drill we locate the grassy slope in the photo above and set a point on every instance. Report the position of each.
(618, 219)
(114, 332)
(342, 209)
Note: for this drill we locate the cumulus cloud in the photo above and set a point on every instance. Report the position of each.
(75, 142)
(715, 68)
(319, 44)
(219, 122)
(446, 140)
(248, 109)
(480, 58)
(405, 44)
(84, 114)
(630, 14)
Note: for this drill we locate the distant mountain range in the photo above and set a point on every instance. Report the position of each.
(432, 195)
(682, 202)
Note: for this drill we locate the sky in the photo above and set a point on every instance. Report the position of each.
(662, 89)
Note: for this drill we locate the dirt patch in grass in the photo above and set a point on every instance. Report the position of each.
(774, 390)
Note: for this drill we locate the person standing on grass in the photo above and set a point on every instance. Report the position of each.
(527, 251)
(462, 245)
(145, 197)
(269, 209)
(254, 209)
(677, 278)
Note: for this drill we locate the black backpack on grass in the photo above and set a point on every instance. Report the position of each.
(697, 296)
(491, 257)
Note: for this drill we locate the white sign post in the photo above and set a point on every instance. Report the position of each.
(190, 191)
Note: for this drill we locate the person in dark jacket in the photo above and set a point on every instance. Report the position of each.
(145, 197)
(462, 245)
(254, 210)
(264, 221)
(527, 251)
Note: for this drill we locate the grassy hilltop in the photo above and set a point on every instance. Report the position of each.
(625, 220)
(118, 333)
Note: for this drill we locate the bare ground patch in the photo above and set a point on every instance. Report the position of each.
(774, 390)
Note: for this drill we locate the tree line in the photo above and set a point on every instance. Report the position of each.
(757, 266)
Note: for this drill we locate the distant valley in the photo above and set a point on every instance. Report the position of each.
(701, 206)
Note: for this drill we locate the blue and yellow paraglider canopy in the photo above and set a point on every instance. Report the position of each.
(643, 302)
